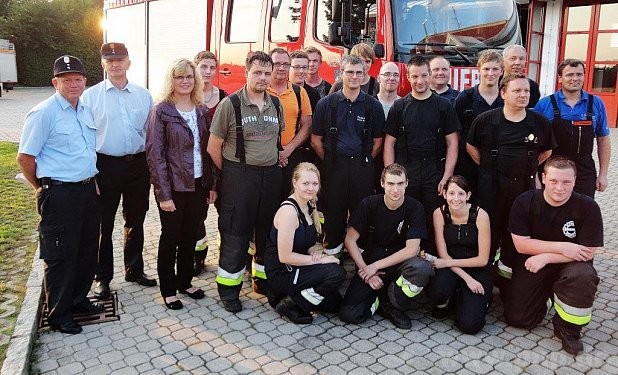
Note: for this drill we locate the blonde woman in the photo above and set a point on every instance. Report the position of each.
(301, 279)
(182, 175)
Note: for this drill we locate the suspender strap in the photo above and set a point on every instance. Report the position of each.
(472, 214)
(367, 129)
(332, 130)
(440, 140)
(468, 104)
(590, 109)
(296, 89)
(292, 202)
(277, 104)
(446, 214)
(240, 136)
(402, 135)
(532, 149)
(554, 105)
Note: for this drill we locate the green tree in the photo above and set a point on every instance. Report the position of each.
(43, 30)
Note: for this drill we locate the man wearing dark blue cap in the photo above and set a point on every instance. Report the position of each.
(57, 156)
(120, 109)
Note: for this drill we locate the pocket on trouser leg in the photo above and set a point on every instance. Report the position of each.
(52, 242)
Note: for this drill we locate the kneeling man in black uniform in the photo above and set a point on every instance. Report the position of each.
(390, 274)
(556, 233)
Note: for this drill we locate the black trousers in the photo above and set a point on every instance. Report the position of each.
(348, 180)
(312, 288)
(573, 283)
(497, 201)
(177, 242)
(249, 197)
(68, 235)
(424, 175)
(471, 307)
(359, 302)
(127, 178)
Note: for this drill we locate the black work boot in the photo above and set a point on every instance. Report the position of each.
(397, 317)
(199, 258)
(260, 286)
(570, 335)
(286, 307)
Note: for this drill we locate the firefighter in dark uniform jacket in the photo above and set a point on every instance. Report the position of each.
(556, 233)
(473, 101)
(577, 119)
(508, 144)
(390, 274)
(422, 135)
(346, 135)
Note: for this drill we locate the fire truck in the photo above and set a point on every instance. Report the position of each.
(8, 67)
(156, 32)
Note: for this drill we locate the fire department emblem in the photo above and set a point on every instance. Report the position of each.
(568, 229)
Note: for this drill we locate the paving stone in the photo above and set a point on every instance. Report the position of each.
(448, 365)
(218, 365)
(274, 368)
(478, 367)
(190, 363)
(246, 366)
(391, 361)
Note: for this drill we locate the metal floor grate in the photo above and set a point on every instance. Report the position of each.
(110, 314)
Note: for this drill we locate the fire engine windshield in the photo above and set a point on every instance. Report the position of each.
(440, 26)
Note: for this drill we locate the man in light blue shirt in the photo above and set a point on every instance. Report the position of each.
(578, 118)
(120, 109)
(57, 156)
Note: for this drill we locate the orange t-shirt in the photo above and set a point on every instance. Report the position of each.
(290, 110)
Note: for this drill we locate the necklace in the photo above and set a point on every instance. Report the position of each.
(212, 93)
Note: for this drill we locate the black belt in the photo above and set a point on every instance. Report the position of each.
(124, 157)
(46, 182)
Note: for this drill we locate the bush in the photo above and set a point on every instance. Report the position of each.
(42, 31)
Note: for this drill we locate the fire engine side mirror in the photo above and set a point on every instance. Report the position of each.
(378, 49)
(334, 34)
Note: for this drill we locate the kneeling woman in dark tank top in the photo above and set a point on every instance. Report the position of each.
(301, 279)
(462, 273)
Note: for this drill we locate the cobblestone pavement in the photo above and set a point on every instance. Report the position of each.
(13, 107)
(203, 338)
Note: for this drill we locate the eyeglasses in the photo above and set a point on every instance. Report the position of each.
(351, 73)
(182, 78)
(300, 67)
(389, 75)
(282, 65)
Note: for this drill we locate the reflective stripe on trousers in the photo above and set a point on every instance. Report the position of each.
(408, 288)
(258, 271)
(576, 315)
(229, 279)
(312, 296)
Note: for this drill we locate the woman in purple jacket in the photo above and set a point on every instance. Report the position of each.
(182, 174)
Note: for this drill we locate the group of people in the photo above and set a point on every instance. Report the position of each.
(453, 174)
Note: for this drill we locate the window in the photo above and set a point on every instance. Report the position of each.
(323, 20)
(535, 39)
(244, 16)
(285, 21)
(362, 26)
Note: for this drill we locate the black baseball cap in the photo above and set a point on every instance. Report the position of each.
(68, 64)
(114, 51)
